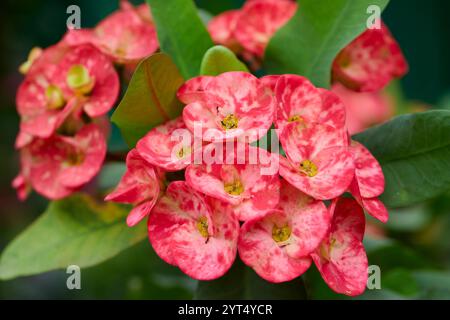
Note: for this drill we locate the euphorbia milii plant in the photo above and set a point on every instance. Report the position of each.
(197, 170)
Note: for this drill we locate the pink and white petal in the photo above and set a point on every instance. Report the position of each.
(376, 209)
(297, 97)
(260, 251)
(368, 171)
(221, 28)
(193, 90)
(174, 234)
(199, 118)
(347, 272)
(22, 139)
(348, 219)
(259, 20)
(261, 193)
(140, 212)
(270, 82)
(163, 144)
(373, 206)
(90, 144)
(211, 259)
(336, 170)
(341, 259)
(207, 179)
(309, 219)
(139, 183)
(306, 141)
(333, 110)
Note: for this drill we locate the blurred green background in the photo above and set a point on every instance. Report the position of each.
(413, 249)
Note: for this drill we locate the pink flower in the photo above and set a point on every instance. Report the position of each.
(258, 22)
(300, 101)
(244, 177)
(370, 61)
(193, 232)
(228, 106)
(127, 35)
(58, 166)
(364, 109)
(341, 258)
(318, 162)
(140, 186)
(169, 146)
(277, 246)
(62, 82)
(368, 183)
(222, 28)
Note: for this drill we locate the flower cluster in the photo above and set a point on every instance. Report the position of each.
(62, 102)
(238, 197)
(366, 65)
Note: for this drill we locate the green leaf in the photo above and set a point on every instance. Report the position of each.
(181, 33)
(241, 282)
(309, 42)
(150, 98)
(218, 60)
(414, 152)
(73, 231)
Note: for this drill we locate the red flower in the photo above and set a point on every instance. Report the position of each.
(222, 28)
(58, 166)
(127, 35)
(258, 22)
(370, 61)
(318, 160)
(193, 232)
(65, 81)
(139, 186)
(169, 146)
(341, 258)
(277, 246)
(237, 179)
(228, 106)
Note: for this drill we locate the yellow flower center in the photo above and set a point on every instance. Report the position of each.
(234, 188)
(281, 234)
(202, 226)
(183, 152)
(307, 167)
(55, 97)
(295, 118)
(230, 122)
(79, 80)
(75, 158)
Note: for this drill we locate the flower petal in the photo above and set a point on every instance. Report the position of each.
(169, 146)
(260, 251)
(341, 259)
(369, 62)
(175, 234)
(367, 171)
(90, 143)
(309, 218)
(259, 20)
(297, 98)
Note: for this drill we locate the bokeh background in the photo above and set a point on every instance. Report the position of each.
(413, 249)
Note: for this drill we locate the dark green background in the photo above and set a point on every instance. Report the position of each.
(423, 31)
